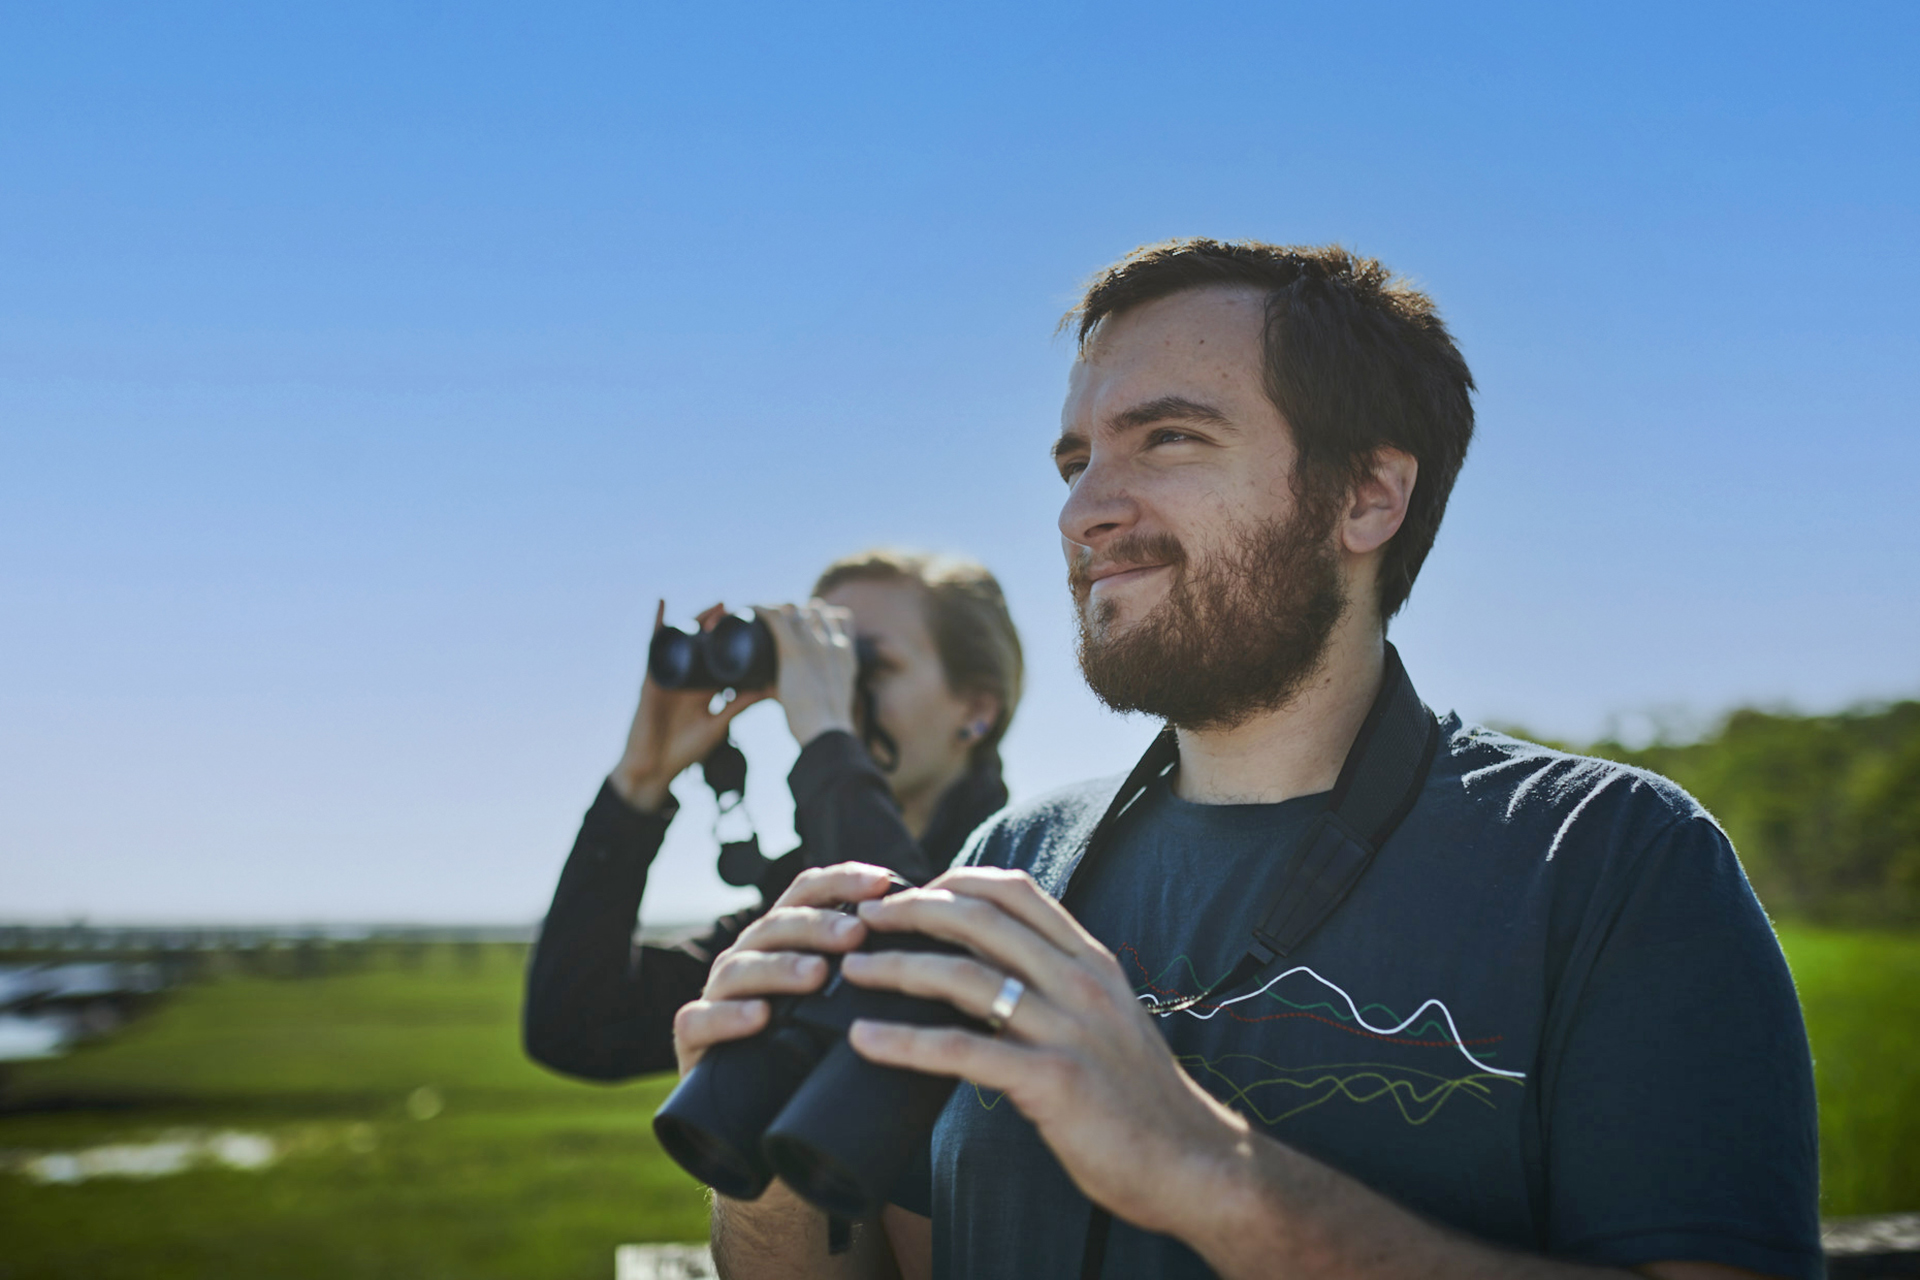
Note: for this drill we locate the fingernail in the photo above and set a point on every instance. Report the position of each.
(856, 962)
(844, 926)
(807, 965)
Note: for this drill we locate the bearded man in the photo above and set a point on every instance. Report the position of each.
(1256, 1011)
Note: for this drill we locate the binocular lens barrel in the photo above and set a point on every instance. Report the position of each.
(737, 654)
(848, 1134)
(741, 654)
(676, 660)
(797, 1100)
(712, 1122)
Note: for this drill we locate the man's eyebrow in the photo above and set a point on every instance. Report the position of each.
(1165, 408)
(1145, 414)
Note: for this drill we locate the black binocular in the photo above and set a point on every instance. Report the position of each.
(797, 1101)
(738, 653)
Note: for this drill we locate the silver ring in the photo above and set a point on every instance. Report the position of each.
(1000, 1012)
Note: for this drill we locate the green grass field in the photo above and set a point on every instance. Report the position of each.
(521, 1173)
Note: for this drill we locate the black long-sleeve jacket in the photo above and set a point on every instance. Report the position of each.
(600, 1007)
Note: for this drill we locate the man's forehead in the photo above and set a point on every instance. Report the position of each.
(1231, 315)
(1204, 344)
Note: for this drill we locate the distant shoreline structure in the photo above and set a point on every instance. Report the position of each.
(122, 938)
(62, 984)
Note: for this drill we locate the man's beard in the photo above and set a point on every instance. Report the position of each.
(1233, 638)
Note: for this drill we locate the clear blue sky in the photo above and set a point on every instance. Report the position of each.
(366, 371)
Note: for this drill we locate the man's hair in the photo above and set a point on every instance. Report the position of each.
(967, 614)
(1355, 360)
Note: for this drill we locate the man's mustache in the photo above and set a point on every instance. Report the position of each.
(1130, 550)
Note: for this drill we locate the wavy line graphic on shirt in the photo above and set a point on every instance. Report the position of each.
(1157, 985)
(1418, 1099)
(1354, 1014)
(1160, 985)
(987, 1104)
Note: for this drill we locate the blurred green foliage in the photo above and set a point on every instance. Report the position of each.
(1824, 810)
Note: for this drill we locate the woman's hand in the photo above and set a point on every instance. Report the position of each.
(777, 954)
(672, 730)
(818, 666)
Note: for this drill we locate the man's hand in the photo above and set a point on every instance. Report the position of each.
(818, 666)
(778, 954)
(672, 730)
(1080, 1058)
(779, 1234)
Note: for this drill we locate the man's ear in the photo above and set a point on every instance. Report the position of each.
(1379, 502)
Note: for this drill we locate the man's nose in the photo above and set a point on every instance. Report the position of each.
(1098, 506)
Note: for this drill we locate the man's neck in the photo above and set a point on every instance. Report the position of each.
(1297, 749)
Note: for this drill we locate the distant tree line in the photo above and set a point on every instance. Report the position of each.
(1824, 810)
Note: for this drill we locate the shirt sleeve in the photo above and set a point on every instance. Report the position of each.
(595, 1007)
(844, 811)
(1679, 1106)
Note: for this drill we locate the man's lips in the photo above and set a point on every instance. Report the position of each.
(1118, 575)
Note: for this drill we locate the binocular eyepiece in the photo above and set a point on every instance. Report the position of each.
(797, 1101)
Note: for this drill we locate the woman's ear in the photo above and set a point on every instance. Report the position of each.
(983, 712)
(1379, 504)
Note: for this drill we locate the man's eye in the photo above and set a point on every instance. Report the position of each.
(1167, 435)
(1068, 470)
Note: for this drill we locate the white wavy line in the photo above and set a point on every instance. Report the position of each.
(1379, 1031)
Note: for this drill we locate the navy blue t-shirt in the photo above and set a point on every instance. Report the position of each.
(1552, 1015)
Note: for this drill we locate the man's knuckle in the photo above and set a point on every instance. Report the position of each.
(946, 1043)
(971, 910)
(1057, 1074)
(687, 1018)
(975, 974)
(1086, 991)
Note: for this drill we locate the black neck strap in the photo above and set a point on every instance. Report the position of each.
(1381, 779)
(1378, 784)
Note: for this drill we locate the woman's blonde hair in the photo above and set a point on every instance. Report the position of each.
(967, 614)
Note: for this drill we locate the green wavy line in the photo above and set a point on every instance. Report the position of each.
(1415, 1106)
(1318, 1066)
(1406, 1094)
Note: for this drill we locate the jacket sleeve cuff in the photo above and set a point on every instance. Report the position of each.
(616, 826)
(825, 762)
